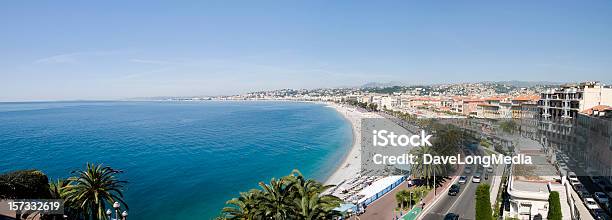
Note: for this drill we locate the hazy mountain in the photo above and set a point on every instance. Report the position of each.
(382, 85)
(518, 83)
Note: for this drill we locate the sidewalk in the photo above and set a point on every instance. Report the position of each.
(495, 183)
(383, 208)
(412, 214)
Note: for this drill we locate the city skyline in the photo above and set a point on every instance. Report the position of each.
(70, 51)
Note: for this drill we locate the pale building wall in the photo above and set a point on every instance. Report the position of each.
(596, 96)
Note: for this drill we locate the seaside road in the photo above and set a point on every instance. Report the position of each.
(463, 204)
(446, 203)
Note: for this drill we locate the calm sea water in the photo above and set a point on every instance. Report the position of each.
(182, 160)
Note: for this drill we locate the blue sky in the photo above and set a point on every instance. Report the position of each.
(62, 50)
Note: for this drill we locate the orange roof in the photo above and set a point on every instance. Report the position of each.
(424, 99)
(533, 97)
(473, 100)
(487, 105)
(597, 108)
(496, 98)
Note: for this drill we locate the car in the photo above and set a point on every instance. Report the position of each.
(600, 214)
(490, 169)
(454, 189)
(599, 182)
(601, 197)
(578, 187)
(575, 182)
(583, 193)
(572, 176)
(462, 179)
(451, 216)
(476, 178)
(591, 204)
(596, 179)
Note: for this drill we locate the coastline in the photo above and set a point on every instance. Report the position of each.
(351, 164)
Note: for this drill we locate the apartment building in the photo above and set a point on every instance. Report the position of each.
(594, 132)
(494, 107)
(559, 109)
(389, 101)
(565, 102)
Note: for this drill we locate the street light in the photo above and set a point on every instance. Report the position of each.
(116, 205)
(411, 200)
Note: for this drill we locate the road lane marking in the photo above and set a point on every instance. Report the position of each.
(460, 195)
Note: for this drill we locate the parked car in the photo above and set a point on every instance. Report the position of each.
(490, 169)
(462, 179)
(600, 214)
(476, 178)
(561, 164)
(451, 216)
(583, 193)
(596, 179)
(591, 204)
(572, 176)
(578, 187)
(601, 197)
(575, 182)
(454, 189)
(565, 157)
(601, 183)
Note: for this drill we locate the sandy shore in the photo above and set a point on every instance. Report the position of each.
(351, 165)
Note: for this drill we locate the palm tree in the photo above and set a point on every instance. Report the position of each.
(290, 197)
(275, 200)
(448, 140)
(401, 197)
(58, 188)
(308, 198)
(243, 207)
(94, 188)
(423, 170)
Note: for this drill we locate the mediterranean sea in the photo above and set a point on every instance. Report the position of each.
(182, 160)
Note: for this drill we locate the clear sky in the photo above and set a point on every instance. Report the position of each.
(58, 50)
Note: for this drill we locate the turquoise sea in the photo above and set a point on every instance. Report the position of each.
(182, 160)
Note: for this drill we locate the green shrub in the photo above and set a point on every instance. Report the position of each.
(554, 206)
(483, 202)
(24, 184)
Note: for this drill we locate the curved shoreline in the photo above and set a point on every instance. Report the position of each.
(351, 164)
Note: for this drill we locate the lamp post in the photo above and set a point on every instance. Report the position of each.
(434, 183)
(410, 200)
(116, 206)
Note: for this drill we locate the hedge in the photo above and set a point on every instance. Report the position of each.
(483, 202)
(24, 184)
(554, 206)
